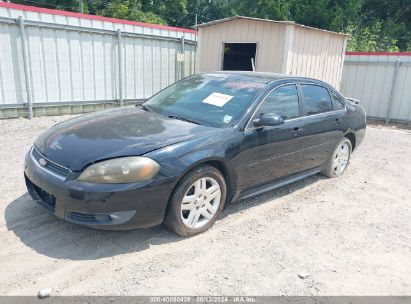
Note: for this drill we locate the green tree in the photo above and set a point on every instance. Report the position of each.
(129, 10)
(267, 9)
(383, 25)
(172, 11)
(395, 17)
(333, 15)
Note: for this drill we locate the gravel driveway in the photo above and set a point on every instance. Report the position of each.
(352, 235)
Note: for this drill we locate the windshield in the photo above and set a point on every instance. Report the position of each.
(214, 100)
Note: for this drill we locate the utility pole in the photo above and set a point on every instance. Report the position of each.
(81, 6)
(196, 22)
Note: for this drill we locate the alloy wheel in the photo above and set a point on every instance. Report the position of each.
(341, 158)
(200, 202)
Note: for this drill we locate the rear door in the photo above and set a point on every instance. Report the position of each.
(322, 124)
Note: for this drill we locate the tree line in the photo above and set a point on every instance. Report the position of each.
(373, 25)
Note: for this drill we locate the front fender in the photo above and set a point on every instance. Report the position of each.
(178, 159)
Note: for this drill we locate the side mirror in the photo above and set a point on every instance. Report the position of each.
(268, 120)
(353, 100)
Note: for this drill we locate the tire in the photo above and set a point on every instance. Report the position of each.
(196, 204)
(339, 160)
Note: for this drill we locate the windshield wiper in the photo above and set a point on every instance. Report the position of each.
(145, 108)
(184, 119)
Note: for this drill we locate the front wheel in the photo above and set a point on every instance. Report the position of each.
(339, 159)
(197, 201)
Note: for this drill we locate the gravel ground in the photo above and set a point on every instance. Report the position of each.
(352, 235)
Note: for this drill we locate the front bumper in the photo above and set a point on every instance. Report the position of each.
(102, 206)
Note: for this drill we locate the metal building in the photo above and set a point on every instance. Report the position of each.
(62, 62)
(238, 43)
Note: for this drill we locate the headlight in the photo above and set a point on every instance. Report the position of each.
(121, 170)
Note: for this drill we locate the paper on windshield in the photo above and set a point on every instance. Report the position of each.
(227, 118)
(217, 99)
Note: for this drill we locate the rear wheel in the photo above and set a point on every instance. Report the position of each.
(197, 201)
(339, 160)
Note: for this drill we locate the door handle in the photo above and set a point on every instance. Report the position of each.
(337, 121)
(297, 131)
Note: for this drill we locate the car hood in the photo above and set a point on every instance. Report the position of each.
(127, 131)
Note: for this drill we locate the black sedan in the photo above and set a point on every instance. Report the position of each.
(183, 154)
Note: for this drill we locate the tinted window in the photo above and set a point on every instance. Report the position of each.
(316, 99)
(339, 103)
(214, 99)
(282, 101)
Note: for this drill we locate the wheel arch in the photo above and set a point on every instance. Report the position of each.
(351, 137)
(221, 166)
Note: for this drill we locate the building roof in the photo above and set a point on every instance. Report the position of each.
(264, 20)
(92, 17)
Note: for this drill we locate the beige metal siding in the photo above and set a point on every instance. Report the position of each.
(282, 47)
(317, 54)
(269, 37)
(370, 78)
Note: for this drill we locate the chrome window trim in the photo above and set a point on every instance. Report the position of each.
(304, 115)
(318, 114)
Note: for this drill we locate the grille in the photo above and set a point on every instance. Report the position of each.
(41, 197)
(51, 166)
(87, 218)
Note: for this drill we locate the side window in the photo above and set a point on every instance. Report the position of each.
(282, 101)
(316, 99)
(339, 103)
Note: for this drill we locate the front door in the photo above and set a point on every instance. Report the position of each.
(268, 153)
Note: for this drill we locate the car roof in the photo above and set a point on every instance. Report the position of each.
(262, 77)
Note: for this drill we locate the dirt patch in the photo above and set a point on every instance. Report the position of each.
(352, 235)
(392, 125)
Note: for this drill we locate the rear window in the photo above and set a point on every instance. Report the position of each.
(316, 99)
(339, 102)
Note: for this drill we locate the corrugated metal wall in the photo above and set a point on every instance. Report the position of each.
(317, 54)
(75, 59)
(382, 83)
